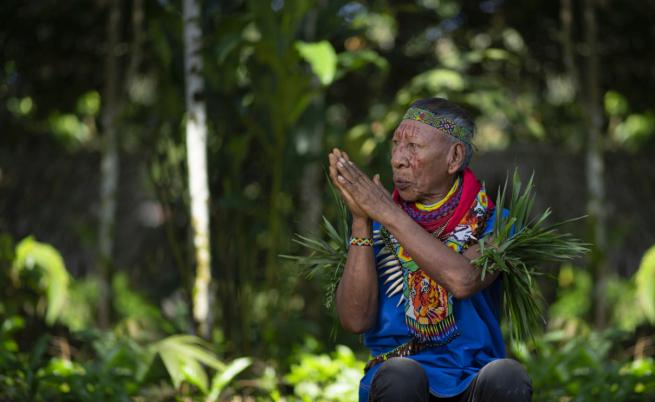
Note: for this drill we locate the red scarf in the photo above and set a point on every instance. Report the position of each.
(470, 188)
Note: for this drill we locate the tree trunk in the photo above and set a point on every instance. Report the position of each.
(311, 192)
(275, 216)
(109, 166)
(196, 142)
(595, 165)
(566, 38)
(137, 45)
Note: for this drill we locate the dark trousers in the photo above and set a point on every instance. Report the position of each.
(402, 379)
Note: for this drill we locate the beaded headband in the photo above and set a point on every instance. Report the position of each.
(441, 123)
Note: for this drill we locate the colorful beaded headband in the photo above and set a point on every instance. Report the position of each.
(444, 124)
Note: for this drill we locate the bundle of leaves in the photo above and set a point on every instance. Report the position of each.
(326, 258)
(519, 246)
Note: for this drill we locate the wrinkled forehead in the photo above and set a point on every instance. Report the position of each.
(412, 129)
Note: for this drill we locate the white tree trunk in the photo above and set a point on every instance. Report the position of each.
(109, 167)
(595, 163)
(196, 141)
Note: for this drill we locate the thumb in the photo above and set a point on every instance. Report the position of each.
(376, 180)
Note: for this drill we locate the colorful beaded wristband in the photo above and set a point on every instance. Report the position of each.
(361, 241)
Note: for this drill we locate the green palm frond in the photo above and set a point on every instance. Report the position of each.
(184, 357)
(520, 243)
(326, 258)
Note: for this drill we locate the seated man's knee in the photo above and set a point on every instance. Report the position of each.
(506, 379)
(399, 379)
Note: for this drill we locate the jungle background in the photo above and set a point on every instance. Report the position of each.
(99, 274)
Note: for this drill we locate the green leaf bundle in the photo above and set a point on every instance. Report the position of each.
(519, 244)
(327, 258)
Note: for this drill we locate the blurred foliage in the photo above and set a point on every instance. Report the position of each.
(323, 377)
(40, 267)
(81, 363)
(582, 368)
(646, 285)
(631, 299)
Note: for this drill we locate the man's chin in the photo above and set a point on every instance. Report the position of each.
(407, 196)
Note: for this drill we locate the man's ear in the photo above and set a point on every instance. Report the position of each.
(456, 157)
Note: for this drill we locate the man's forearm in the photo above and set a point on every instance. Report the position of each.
(450, 269)
(357, 294)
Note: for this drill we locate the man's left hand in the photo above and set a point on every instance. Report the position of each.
(369, 194)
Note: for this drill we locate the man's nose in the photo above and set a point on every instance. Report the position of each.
(398, 158)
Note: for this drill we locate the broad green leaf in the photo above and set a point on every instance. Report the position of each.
(321, 57)
(32, 255)
(195, 374)
(224, 377)
(183, 357)
(645, 281)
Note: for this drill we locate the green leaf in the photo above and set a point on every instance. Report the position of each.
(224, 377)
(183, 357)
(89, 104)
(194, 374)
(54, 278)
(615, 103)
(645, 281)
(356, 60)
(321, 57)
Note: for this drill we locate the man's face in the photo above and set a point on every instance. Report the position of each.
(419, 161)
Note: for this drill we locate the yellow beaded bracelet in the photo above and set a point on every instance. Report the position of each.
(361, 241)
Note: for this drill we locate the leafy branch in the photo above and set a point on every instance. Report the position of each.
(519, 244)
(326, 257)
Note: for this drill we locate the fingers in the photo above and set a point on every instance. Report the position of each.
(345, 156)
(335, 158)
(349, 171)
(337, 179)
(346, 174)
(337, 164)
(378, 182)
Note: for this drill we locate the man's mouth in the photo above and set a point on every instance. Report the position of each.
(401, 184)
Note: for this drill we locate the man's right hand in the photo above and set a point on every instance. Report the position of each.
(356, 211)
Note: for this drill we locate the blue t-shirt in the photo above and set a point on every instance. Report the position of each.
(450, 368)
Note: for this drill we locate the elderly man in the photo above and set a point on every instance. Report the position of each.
(428, 318)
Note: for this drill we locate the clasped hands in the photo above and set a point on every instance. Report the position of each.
(366, 198)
